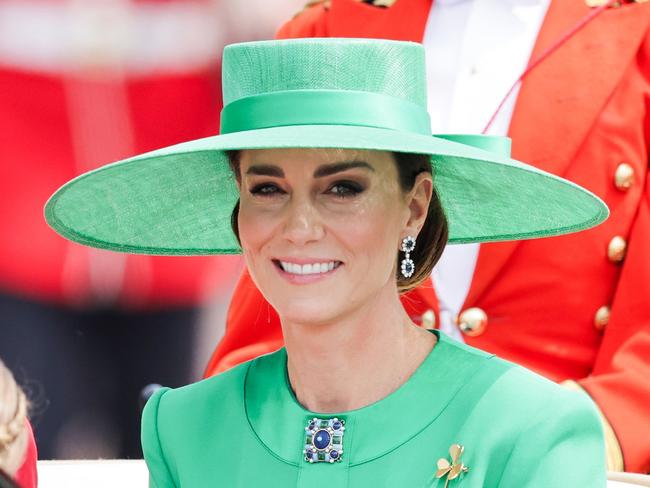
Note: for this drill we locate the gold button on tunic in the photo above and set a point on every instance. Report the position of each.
(429, 319)
(616, 249)
(624, 177)
(601, 319)
(473, 321)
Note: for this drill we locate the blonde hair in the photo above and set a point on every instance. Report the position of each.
(13, 415)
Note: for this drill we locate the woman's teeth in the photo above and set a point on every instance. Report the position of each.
(307, 269)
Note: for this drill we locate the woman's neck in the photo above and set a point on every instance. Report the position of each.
(357, 360)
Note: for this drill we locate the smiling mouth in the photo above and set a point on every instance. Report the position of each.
(307, 269)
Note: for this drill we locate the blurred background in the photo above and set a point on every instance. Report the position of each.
(84, 83)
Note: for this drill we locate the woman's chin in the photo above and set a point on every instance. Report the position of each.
(309, 311)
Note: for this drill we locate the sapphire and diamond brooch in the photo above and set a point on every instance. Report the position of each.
(324, 440)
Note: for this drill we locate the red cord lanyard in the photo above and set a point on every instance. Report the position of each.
(548, 51)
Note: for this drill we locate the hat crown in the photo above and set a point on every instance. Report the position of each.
(391, 68)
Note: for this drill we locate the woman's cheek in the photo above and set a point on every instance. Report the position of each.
(255, 233)
(255, 225)
(375, 213)
(366, 227)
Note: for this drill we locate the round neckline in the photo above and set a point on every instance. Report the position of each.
(278, 420)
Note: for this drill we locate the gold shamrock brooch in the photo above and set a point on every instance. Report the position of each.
(454, 469)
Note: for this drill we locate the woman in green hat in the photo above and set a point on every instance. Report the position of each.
(327, 178)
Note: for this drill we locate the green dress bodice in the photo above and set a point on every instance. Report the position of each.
(244, 428)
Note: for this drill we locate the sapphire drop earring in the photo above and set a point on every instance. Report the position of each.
(408, 267)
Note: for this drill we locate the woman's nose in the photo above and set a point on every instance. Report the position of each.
(303, 223)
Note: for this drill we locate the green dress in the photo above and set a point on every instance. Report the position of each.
(244, 428)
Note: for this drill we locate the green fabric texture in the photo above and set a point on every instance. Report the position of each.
(391, 68)
(245, 428)
(313, 93)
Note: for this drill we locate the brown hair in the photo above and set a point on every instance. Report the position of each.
(433, 236)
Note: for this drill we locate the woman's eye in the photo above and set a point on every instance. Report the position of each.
(345, 189)
(266, 190)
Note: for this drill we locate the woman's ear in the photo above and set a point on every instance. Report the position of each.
(418, 203)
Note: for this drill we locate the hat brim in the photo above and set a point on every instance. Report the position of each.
(179, 200)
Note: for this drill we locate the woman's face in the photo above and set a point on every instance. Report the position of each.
(320, 228)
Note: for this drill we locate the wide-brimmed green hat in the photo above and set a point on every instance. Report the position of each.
(311, 93)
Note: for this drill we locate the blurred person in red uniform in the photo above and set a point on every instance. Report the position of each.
(17, 447)
(84, 330)
(573, 308)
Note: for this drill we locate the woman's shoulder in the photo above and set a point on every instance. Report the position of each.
(530, 430)
(184, 424)
(542, 407)
(515, 385)
(186, 408)
(221, 387)
(221, 391)
(554, 435)
(170, 413)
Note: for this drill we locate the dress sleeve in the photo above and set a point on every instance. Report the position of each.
(562, 446)
(159, 474)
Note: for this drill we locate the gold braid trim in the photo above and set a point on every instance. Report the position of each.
(613, 451)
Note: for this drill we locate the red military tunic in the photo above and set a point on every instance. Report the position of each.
(67, 117)
(572, 308)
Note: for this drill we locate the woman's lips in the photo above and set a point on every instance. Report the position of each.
(308, 271)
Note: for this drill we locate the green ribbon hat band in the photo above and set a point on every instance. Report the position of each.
(324, 107)
(498, 145)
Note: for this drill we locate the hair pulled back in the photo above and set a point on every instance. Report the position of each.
(433, 236)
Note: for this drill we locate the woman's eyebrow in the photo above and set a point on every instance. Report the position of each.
(265, 170)
(330, 169)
